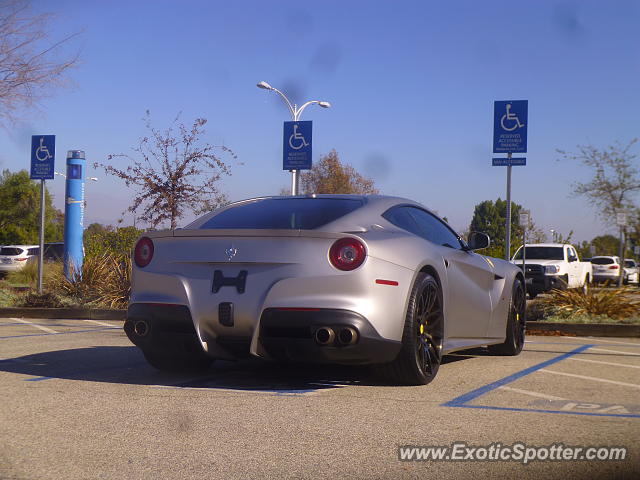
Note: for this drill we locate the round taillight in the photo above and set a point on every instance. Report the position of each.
(143, 253)
(347, 254)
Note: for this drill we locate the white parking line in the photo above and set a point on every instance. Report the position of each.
(603, 363)
(100, 323)
(40, 327)
(614, 351)
(599, 340)
(532, 394)
(584, 377)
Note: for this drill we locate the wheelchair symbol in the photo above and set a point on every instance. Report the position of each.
(295, 136)
(42, 152)
(512, 117)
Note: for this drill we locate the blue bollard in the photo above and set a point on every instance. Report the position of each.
(74, 214)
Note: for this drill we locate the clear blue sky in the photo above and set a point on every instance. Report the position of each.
(412, 86)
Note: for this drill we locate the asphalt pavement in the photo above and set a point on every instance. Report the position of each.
(79, 401)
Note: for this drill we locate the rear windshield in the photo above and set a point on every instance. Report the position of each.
(542, 253)
(10, 251)
(629, 263)
(284, 213)
(602, 261)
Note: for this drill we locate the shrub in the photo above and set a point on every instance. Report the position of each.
(105, 282)
(117, 242)
(614, 303)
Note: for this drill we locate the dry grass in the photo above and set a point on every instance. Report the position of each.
(613, 303)
(105, 282)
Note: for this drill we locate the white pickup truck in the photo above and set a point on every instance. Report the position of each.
(553, 266)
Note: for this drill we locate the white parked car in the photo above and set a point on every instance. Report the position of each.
(15, 257)
(631, 271)
(606, 268)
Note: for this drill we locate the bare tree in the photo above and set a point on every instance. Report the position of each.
(616, 178)
(172, 173)
(30, 67)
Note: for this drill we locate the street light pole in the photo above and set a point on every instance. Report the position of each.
(295, 116)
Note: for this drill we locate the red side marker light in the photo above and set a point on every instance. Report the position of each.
(393, 283)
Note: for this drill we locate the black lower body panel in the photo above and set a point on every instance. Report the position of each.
(289, 334)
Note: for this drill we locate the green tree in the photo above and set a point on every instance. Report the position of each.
(489, 217)
(105, 239)
(329, 175)
(20, 211)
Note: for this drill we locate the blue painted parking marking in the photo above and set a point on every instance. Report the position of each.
(463, 401)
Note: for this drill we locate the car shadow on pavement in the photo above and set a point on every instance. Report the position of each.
(126, 365)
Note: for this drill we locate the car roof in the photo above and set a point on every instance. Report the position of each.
(20, 246)
(547, 244)
(359, 219)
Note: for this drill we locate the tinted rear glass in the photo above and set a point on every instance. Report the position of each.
(542, 253)
(629, 263)
(10, 251)
(284, 213)
(602, 261)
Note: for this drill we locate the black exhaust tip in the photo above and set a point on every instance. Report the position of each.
(141, 328)
(324, 336)
(347, 336)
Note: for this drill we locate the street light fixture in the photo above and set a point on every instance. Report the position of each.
(295, 116)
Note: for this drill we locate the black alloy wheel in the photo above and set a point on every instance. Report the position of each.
(516, 323)
(421, 353)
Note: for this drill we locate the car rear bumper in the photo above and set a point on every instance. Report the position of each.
(290, 334)
(166, 327)
(605, 278)
(12, 267)
(285, 334)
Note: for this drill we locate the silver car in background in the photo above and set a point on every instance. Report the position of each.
(343, 279)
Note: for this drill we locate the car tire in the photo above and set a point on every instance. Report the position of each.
(177, 362)
(421, 353)
(516, 323)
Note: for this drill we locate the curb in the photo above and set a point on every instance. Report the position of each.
(583, 329)
(70, 313)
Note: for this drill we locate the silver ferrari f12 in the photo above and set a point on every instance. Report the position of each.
(344, 279)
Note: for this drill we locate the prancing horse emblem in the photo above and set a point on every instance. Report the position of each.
(231, 252)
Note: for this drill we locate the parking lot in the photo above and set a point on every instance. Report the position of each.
(79, 401)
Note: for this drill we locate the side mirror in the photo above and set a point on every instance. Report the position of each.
(478, 240)
(573, 259)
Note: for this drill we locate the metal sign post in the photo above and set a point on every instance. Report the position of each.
(510, 119)
(621, 221)
(524, 223)
(43, 152)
